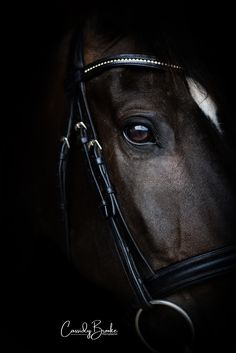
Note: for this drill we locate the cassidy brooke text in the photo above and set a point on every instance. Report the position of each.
(92, 331)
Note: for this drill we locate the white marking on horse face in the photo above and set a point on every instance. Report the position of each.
(204, 101)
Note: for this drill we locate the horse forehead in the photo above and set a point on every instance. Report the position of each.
(125, 89)
(144, 81)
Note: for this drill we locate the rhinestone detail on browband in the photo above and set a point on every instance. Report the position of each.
(132, 60)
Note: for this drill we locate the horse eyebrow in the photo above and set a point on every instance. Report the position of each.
(204, 101)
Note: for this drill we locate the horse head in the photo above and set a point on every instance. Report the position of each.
(146, 145)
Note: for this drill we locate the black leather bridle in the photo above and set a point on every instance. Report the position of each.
(147, 285)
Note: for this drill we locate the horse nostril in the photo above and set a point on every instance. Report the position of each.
(165, 327)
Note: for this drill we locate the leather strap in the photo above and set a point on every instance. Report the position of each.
(191, 271)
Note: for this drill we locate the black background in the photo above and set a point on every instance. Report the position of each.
(40, 295)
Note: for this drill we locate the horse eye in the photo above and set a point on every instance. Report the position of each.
(139, 134)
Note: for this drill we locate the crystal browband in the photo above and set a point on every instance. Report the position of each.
(127, 60)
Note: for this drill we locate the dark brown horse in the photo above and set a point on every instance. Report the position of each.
(167, 158)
